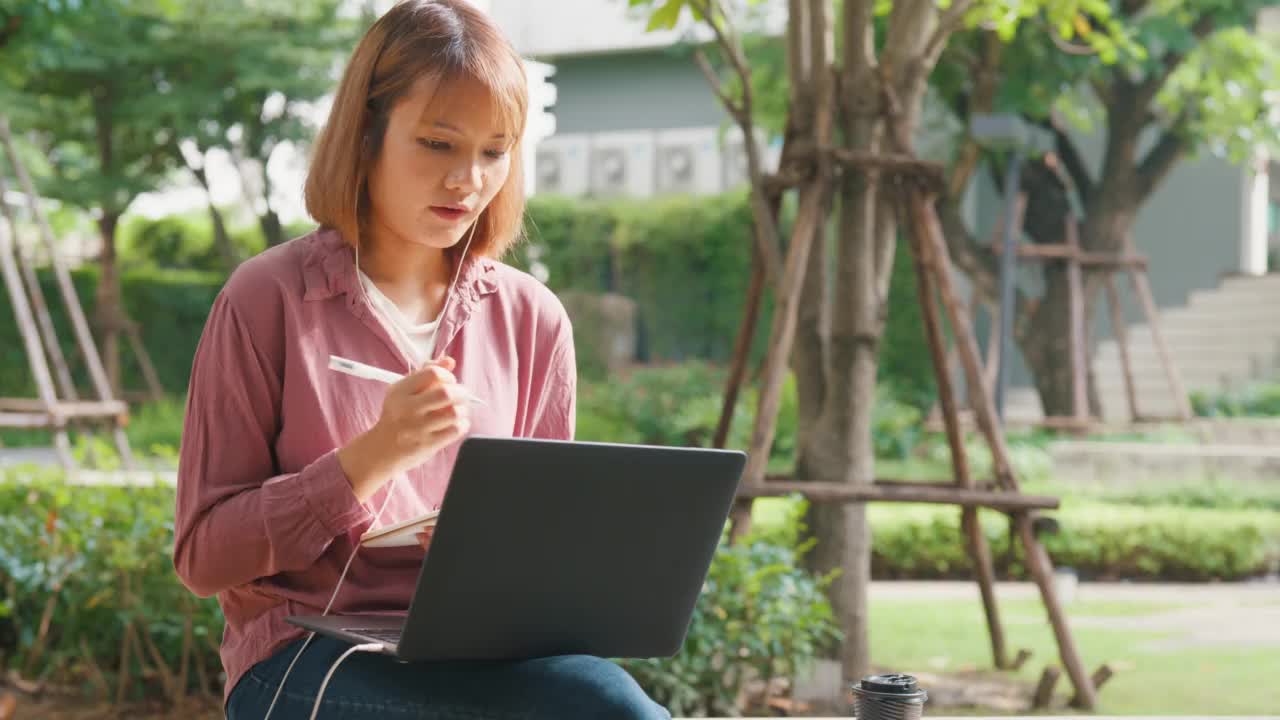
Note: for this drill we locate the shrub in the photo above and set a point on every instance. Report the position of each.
(681, 405)
(1258, 400)
(170, 306)
(89, 584)
(1101, 541)
(686, 262)
(88, 588)
(760, 616)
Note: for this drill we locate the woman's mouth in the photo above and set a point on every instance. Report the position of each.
(447, 212)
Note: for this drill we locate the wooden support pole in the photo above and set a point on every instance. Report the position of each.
(740, 514)
(941, 495)
(1044, 689)
(36, 359)
(975, 541)
(993, 343)
(985, 573)
(741, 348)
(924, 221)
(933, 334)
(1041, 569)
(61, 370)
(1142, 287)
(1063, 251)
(1120, 333)
(149, 373)
(77, 408)
(69, 297)
(80, 325)
(1099, 678)
(1076, 319)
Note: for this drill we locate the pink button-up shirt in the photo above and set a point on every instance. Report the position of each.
(265, 516)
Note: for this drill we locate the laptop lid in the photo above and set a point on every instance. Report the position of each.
(548, 547)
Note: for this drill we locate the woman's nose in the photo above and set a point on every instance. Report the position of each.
(466, 177)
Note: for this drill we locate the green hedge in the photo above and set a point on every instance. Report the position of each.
(95, 563)
(170, 305)
(1257, 400)
(1100, 541)
(684, 260)
(92, 566)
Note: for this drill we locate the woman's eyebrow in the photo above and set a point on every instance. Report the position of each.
(454, 128)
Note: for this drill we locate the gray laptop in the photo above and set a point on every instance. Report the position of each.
(550, 547)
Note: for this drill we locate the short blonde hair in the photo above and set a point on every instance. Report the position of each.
(445, 39)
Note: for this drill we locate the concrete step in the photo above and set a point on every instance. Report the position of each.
(1158, 389)
(1264, 432)
(1200, 370)
(1260, 348)
(1117, 463)
(1235, 282)
(1202, 339)
(1237, 290)
(1245, 310)
(1217, 324)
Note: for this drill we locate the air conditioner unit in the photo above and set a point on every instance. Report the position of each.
(560, 165)
(687, 161)
(621, 164)
(733, 157)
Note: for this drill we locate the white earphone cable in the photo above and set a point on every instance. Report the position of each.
(385, 501)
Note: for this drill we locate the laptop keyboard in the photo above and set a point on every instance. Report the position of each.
(391, 637)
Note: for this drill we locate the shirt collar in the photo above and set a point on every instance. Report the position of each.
(329, 270)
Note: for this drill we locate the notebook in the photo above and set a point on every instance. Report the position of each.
(400, 534)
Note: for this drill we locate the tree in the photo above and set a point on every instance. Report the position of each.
(262, 66)
(1204, 81)
(86, 97)
(837, 149)
(110, 91)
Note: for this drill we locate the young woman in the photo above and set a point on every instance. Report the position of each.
(416, 183)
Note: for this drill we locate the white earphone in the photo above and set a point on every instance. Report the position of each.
(315, 710)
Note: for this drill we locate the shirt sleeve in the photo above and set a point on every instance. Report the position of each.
(236, 518)
(554, 413)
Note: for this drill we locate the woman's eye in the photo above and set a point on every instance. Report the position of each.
(495, 154)
(433, 144)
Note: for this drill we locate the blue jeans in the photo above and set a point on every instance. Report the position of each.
(368, 686)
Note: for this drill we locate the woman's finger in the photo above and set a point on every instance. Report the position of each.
(448, 395)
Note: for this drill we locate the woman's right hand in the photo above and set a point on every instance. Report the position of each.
(422, 413)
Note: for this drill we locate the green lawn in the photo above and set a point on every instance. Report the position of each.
(923, 635)
(917, 634)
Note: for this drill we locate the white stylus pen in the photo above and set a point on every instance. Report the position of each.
(369, 372)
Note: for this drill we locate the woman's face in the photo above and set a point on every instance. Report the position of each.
(443, 158)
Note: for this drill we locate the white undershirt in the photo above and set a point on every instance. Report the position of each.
(418, 340)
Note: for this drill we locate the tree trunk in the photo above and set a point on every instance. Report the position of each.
(841, 449)
(813, 321)
(1044, 335)
(272, 230)
(109, 312)
(1046, 345)
(221, 239)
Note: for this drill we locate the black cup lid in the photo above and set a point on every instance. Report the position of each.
(895, 684)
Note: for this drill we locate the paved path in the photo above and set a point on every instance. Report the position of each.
(1241, 615)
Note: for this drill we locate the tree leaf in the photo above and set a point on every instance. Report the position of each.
(666, 16)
